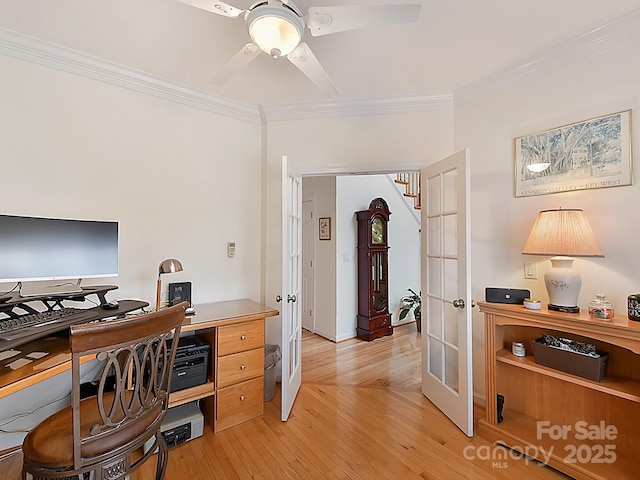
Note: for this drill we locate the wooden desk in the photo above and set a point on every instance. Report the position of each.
(235, 331)
(235, 390)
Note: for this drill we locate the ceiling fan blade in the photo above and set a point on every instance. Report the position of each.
(215, 6)
(304, 59)
(326, 20)
(237, 63)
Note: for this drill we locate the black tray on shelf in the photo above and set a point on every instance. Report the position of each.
(585, 366)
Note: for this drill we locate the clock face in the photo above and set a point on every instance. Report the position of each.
(377, 230)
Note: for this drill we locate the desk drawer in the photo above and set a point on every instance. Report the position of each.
(239, 367)
(240, 337)
(239, 403)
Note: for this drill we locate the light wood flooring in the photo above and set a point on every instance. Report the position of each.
(359, 414)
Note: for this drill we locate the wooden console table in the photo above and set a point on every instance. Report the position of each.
(234, 390)
(584, 428)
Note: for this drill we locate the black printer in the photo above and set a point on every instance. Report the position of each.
(191, 364)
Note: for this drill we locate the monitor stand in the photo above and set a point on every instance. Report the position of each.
(44, 289)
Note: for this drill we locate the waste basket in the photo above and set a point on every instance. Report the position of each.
(271, 359)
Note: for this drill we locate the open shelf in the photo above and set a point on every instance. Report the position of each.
(588, 431)
(190, 394)
(611, 385)
(519, 432)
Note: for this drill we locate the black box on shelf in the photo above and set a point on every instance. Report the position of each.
(514, 296)
(585, 366)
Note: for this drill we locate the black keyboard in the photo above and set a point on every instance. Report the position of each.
(43, 323)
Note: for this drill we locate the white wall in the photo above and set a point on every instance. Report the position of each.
(573, 88)
(354, 194)
(180, 181)
(76, 148)
(348, 144)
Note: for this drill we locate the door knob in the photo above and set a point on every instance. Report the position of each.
(459, 303)
(291, 298)
(278, 298)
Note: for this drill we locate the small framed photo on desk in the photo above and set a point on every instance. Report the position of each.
(325, 228)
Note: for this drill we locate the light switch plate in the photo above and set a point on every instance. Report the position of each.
(231, 249)
(530, 271)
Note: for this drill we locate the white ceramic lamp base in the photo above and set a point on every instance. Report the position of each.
(563, 283)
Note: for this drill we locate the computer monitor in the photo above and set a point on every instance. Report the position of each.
(33, 248)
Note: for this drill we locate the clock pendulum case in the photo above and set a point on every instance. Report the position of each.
(374, 319)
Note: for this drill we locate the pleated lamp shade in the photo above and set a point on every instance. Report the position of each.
(564, 233)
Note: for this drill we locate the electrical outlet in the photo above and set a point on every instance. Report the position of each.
(231, 249)
(530, 271)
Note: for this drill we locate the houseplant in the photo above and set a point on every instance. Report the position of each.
(410, 303)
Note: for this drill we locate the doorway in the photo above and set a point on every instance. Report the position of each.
(338, 197)
(445, 180)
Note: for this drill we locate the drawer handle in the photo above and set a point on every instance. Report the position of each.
(242, 398)
(243, 337)
(243, 367)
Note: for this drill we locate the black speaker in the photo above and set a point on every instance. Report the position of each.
(506, 295)
(179, 292)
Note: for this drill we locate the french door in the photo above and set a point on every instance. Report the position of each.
(291, 311)
(446, 289)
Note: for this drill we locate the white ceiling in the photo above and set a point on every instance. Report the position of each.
(455, 43)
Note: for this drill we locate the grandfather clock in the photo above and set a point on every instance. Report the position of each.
(374, 319)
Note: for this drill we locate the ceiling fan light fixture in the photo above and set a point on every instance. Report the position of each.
(276, 30)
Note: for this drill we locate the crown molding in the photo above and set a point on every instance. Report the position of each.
(614, 35)
(37, 51)
(358, 107)
(44, 53)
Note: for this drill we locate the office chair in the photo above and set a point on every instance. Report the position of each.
(104, 434)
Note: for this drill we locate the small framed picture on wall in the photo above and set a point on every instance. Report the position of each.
(325, 228)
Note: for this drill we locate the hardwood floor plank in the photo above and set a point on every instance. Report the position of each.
(359, 415)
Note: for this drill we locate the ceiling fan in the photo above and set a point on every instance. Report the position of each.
(276, 27)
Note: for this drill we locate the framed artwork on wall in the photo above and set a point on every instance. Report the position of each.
(325, 228)
(594, 153)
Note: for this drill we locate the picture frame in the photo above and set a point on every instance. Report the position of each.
(593, 153)
(324, 230)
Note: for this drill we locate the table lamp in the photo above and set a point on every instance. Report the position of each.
(565, 233)
(170, 265)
